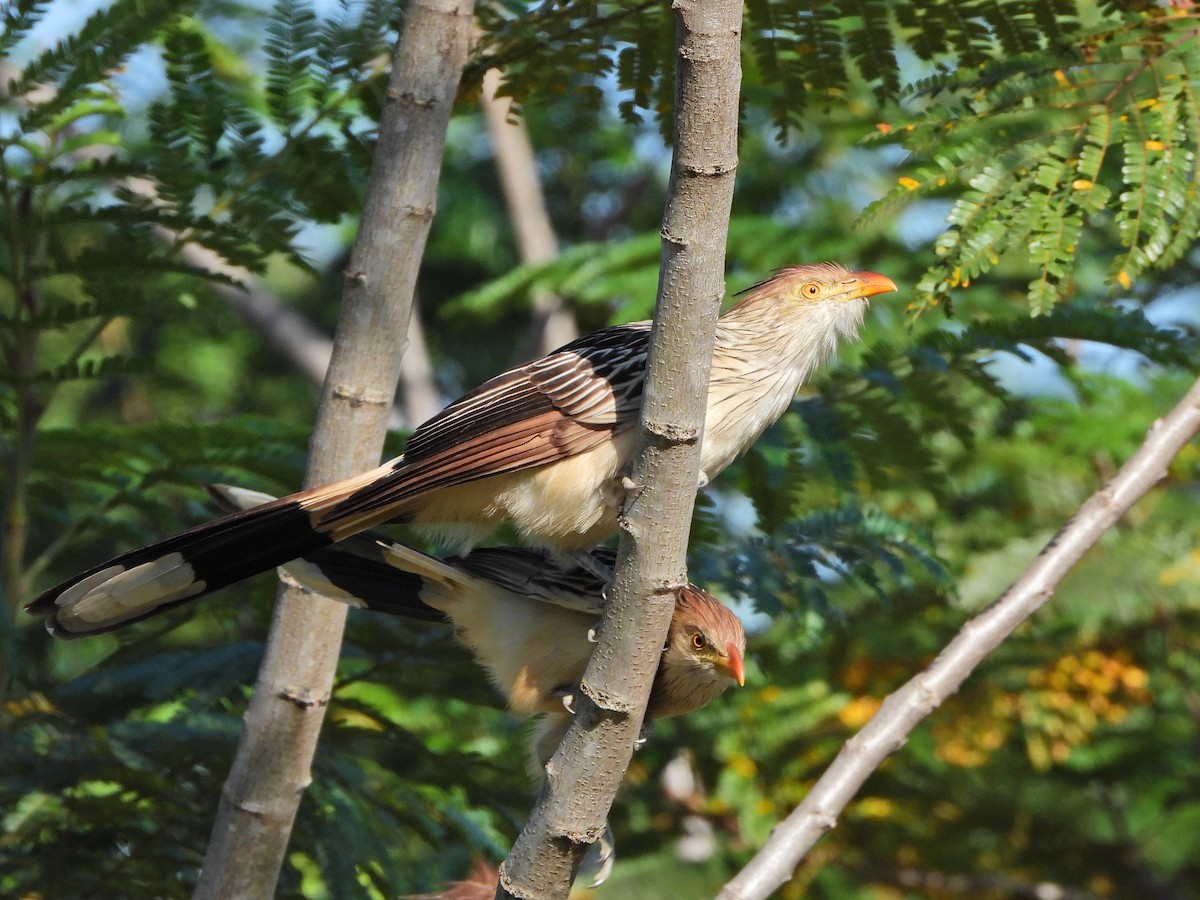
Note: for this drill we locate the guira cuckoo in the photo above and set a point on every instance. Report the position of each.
(526, 616)
(544, 445)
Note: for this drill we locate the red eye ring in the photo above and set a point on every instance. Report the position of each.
(699, 641)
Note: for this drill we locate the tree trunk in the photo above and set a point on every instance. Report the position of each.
(272, 766)
(583, 776)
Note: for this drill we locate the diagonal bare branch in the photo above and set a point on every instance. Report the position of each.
(905, 708)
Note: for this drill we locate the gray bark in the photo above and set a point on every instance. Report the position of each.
(583, 775)
(273, 761)
(903, 710)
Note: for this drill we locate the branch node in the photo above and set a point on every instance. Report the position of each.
(425, 213)
(608, 705)
(676, 434)
(356, 399)
(669, 237)
(826, 821)
(303, 698)
(584, 837)
(413, 99)
(711, 171)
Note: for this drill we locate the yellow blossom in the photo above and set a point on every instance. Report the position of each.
(875, 807)
(742, 765)
(856, 713)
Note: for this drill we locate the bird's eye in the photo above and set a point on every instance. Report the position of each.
(811, 289)
(699, 641)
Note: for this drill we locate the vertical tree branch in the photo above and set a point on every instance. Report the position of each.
(583, 776)
(901, 711)
(553, 324)
(271, 769)
(419, 397)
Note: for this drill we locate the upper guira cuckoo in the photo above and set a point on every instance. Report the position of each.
(544, 445)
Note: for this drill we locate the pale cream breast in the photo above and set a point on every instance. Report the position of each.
(530, 649)
(573, 504)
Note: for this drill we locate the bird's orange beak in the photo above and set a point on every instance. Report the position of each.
(733, 664)
(872, 283)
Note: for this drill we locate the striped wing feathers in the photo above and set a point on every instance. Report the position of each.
(548, 410)
(586, 381)
(538, 575)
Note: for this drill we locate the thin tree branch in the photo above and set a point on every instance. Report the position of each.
(274, 758)
(299, 341)
(553, 324)
(902, 710)
(583, 776)
(306, 347)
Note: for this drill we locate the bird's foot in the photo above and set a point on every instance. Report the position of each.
(644, 735)
(702, 480)
(600, 858)
(632, 489)
(568, 702)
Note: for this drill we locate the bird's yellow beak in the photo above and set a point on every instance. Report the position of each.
(733, 665)
(871, 283)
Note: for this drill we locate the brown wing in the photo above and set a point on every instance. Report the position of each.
(537, 574)
(553, 408)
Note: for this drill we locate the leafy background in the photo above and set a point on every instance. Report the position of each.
(1024, 170)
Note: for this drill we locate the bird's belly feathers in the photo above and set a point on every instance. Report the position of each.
(568, 505)
(737, 418)
(531, 650)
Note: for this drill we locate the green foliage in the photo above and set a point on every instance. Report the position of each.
(802, 53)
(1101, 139)
(902, 491)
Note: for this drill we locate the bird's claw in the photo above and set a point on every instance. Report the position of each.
(702, 480)
(593, 637)
(598, 863)
(644, 735)
(568, 702)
